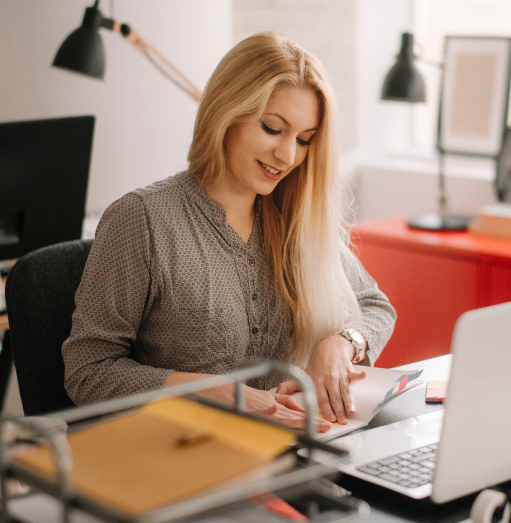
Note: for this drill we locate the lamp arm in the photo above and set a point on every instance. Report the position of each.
(155, 57)
(427, 61)
(435, 63)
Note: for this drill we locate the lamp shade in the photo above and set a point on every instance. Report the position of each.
(404, 82)
(83, 51)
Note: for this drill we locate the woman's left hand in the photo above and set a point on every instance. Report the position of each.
(333, 374)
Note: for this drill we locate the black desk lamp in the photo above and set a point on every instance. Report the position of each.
(404, 83)
(83, 51)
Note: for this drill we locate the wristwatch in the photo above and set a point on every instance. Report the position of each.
(356, 339)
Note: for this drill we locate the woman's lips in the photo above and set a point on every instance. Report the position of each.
(270, 175)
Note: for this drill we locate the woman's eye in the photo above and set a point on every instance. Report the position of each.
(269, 130)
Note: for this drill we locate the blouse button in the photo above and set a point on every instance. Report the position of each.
(251, 260)
(254, 296)
(255, 330)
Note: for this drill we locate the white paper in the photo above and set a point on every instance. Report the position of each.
(368, 395)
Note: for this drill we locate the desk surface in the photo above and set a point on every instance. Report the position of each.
(386, 506)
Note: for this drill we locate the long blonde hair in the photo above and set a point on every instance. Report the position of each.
(302, 217)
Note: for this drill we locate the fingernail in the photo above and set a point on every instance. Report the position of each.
(351, 409)
(332, 419)
(343, 421)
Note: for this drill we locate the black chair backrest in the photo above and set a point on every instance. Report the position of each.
(39, 293)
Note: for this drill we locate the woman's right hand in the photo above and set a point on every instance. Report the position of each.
(280, 407)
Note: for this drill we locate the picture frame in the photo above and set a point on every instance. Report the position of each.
(474, 95)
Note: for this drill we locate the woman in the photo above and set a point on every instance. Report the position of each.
(240, 257)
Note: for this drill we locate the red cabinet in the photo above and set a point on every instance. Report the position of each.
(431, 278)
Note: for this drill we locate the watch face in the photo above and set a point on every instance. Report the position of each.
(356, 337)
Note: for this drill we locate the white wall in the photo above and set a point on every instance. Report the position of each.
(383, 126)
(407, 188)
(144, 123)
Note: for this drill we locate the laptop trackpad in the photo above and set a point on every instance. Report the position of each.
(371, 445)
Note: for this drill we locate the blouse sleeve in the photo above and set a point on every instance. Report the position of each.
(378, 315)
(114, 296)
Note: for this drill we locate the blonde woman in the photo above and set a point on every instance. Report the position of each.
(242, 256)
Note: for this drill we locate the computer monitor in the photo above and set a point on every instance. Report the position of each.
(44, 170)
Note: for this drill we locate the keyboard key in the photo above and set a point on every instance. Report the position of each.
(406, 455)
(406, 483)
(384, 468)
(404, 475)
(394, 466)
(390, 477)
(369, 470)
(388, 461)
(421, 457)
(429, 464)
(404, 462)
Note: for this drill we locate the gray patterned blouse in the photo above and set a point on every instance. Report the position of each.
(168, 285)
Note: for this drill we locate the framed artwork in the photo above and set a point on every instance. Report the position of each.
(474, 95)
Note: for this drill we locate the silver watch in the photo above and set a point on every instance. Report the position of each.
(357, 340)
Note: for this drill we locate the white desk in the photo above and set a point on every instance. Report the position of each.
(435, 369)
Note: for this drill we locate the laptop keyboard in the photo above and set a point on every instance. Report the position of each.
(409, 469)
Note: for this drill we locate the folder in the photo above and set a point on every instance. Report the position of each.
(163, 453)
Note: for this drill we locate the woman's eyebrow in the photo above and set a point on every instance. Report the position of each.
(288, 124)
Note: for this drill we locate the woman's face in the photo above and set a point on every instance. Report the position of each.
(262, 152)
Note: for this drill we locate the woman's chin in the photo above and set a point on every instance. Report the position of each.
(266, 192)
(268, 187)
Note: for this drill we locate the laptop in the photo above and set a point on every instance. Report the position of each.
(462, 449)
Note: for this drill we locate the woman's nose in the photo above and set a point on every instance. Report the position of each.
(285, 152)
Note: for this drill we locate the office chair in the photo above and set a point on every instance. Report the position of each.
(40, 293)
(5, 367)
